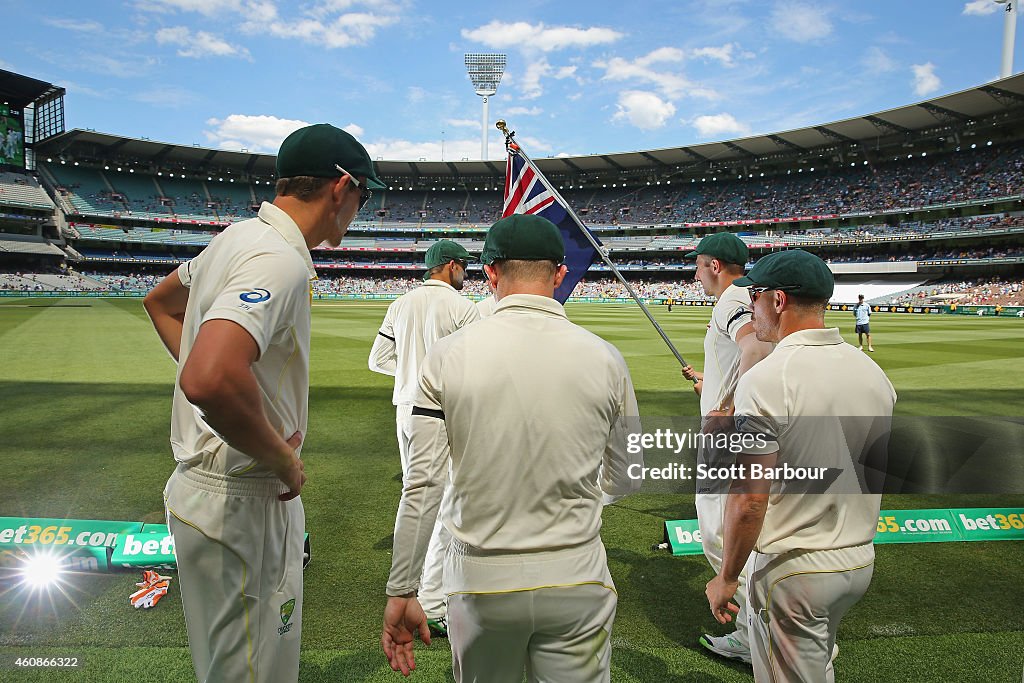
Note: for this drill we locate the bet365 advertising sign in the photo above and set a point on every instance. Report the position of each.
(898, 526)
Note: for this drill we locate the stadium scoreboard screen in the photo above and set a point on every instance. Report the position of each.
(12, 137)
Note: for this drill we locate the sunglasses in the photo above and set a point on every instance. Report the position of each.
(758, 291)
(364, 193)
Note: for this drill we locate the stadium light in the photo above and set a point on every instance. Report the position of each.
(485, 71)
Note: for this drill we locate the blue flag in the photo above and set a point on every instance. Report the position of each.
(528, 191)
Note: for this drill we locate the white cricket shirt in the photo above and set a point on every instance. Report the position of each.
(413, 323)
(257, 274)
(536, 410)
(800, 391)
(721, 352)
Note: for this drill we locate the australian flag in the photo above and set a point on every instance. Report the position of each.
(528, 191)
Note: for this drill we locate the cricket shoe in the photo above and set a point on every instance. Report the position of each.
(438, 627)
(726, 646)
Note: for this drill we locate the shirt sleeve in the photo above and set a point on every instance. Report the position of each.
(759, 415)
(738, 315)
(384, 354)
(424, 479)
(261, 295)
(619, 457)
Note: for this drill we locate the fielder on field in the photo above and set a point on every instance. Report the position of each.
(730, 349)
(816, 401)
(237, 320)
(412, 325)
(536, 411)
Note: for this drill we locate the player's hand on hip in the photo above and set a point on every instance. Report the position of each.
(403, 620)
(719, 592)
(294, 473)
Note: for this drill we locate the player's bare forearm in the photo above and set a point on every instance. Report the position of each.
(751, 350)
(218, 379)
(165, 304)
(745, 508)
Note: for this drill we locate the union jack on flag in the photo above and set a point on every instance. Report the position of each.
(528, 191)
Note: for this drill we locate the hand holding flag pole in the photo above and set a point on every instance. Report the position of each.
(528, 191)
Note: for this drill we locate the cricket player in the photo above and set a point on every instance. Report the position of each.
(537, 411)
(730, 349)
(815, 401)
(862, 314)
(412, 325)
(237, 320)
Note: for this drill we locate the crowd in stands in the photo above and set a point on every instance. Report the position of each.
(1003, 291)
(987, 172)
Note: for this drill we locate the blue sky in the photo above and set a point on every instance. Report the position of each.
(582, 77)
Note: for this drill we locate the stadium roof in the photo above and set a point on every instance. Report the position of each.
(957, 110)
(21, 90)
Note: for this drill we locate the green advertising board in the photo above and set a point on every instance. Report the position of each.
(80, 545)
(898, 526)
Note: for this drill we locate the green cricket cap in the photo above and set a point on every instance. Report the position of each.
(443, 251)
(795, 270)
(523, 237)
(723, 246)
(318, 150)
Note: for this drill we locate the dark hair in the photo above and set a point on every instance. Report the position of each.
(302, 187)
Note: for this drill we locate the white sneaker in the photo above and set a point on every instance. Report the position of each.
(860, 348)
(726, 646)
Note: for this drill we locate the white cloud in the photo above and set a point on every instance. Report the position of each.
(639, 70)
(354, 129)
(327, 23)
(462, 123)
(502, 35)
(256, 133)
(726, 54)
(199, 44)
(801, 22)
(925, 81)
(980, 7)
(205, 7)
(718, 125)
(82, 25)
(645, 110)
(530, 86)
(523, 111)
(416, 94)
(453, 150)
(877, 61)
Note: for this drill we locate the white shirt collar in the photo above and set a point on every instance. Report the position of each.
(279, 220)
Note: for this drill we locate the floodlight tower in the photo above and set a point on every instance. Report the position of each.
(1009, 33)
(485, 70)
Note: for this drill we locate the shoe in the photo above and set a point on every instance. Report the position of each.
(871, 349)
(438, 627)
(860, 348)
(726, 646)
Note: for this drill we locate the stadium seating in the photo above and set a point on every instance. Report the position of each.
(20, 190)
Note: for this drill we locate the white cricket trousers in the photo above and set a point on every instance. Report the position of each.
(711, 521)
(556, 633)
(239, 558)
(797, 600)
(431, 594)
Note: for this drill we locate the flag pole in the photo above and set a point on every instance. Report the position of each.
(513, 146)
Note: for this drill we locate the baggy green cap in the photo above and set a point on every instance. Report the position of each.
(318, 150)
(795, 270)
(523, 237)
(443, 251)
(723, 246)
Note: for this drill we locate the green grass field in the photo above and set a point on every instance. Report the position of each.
(86, 392)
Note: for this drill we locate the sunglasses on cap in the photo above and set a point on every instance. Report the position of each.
(364, 193)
